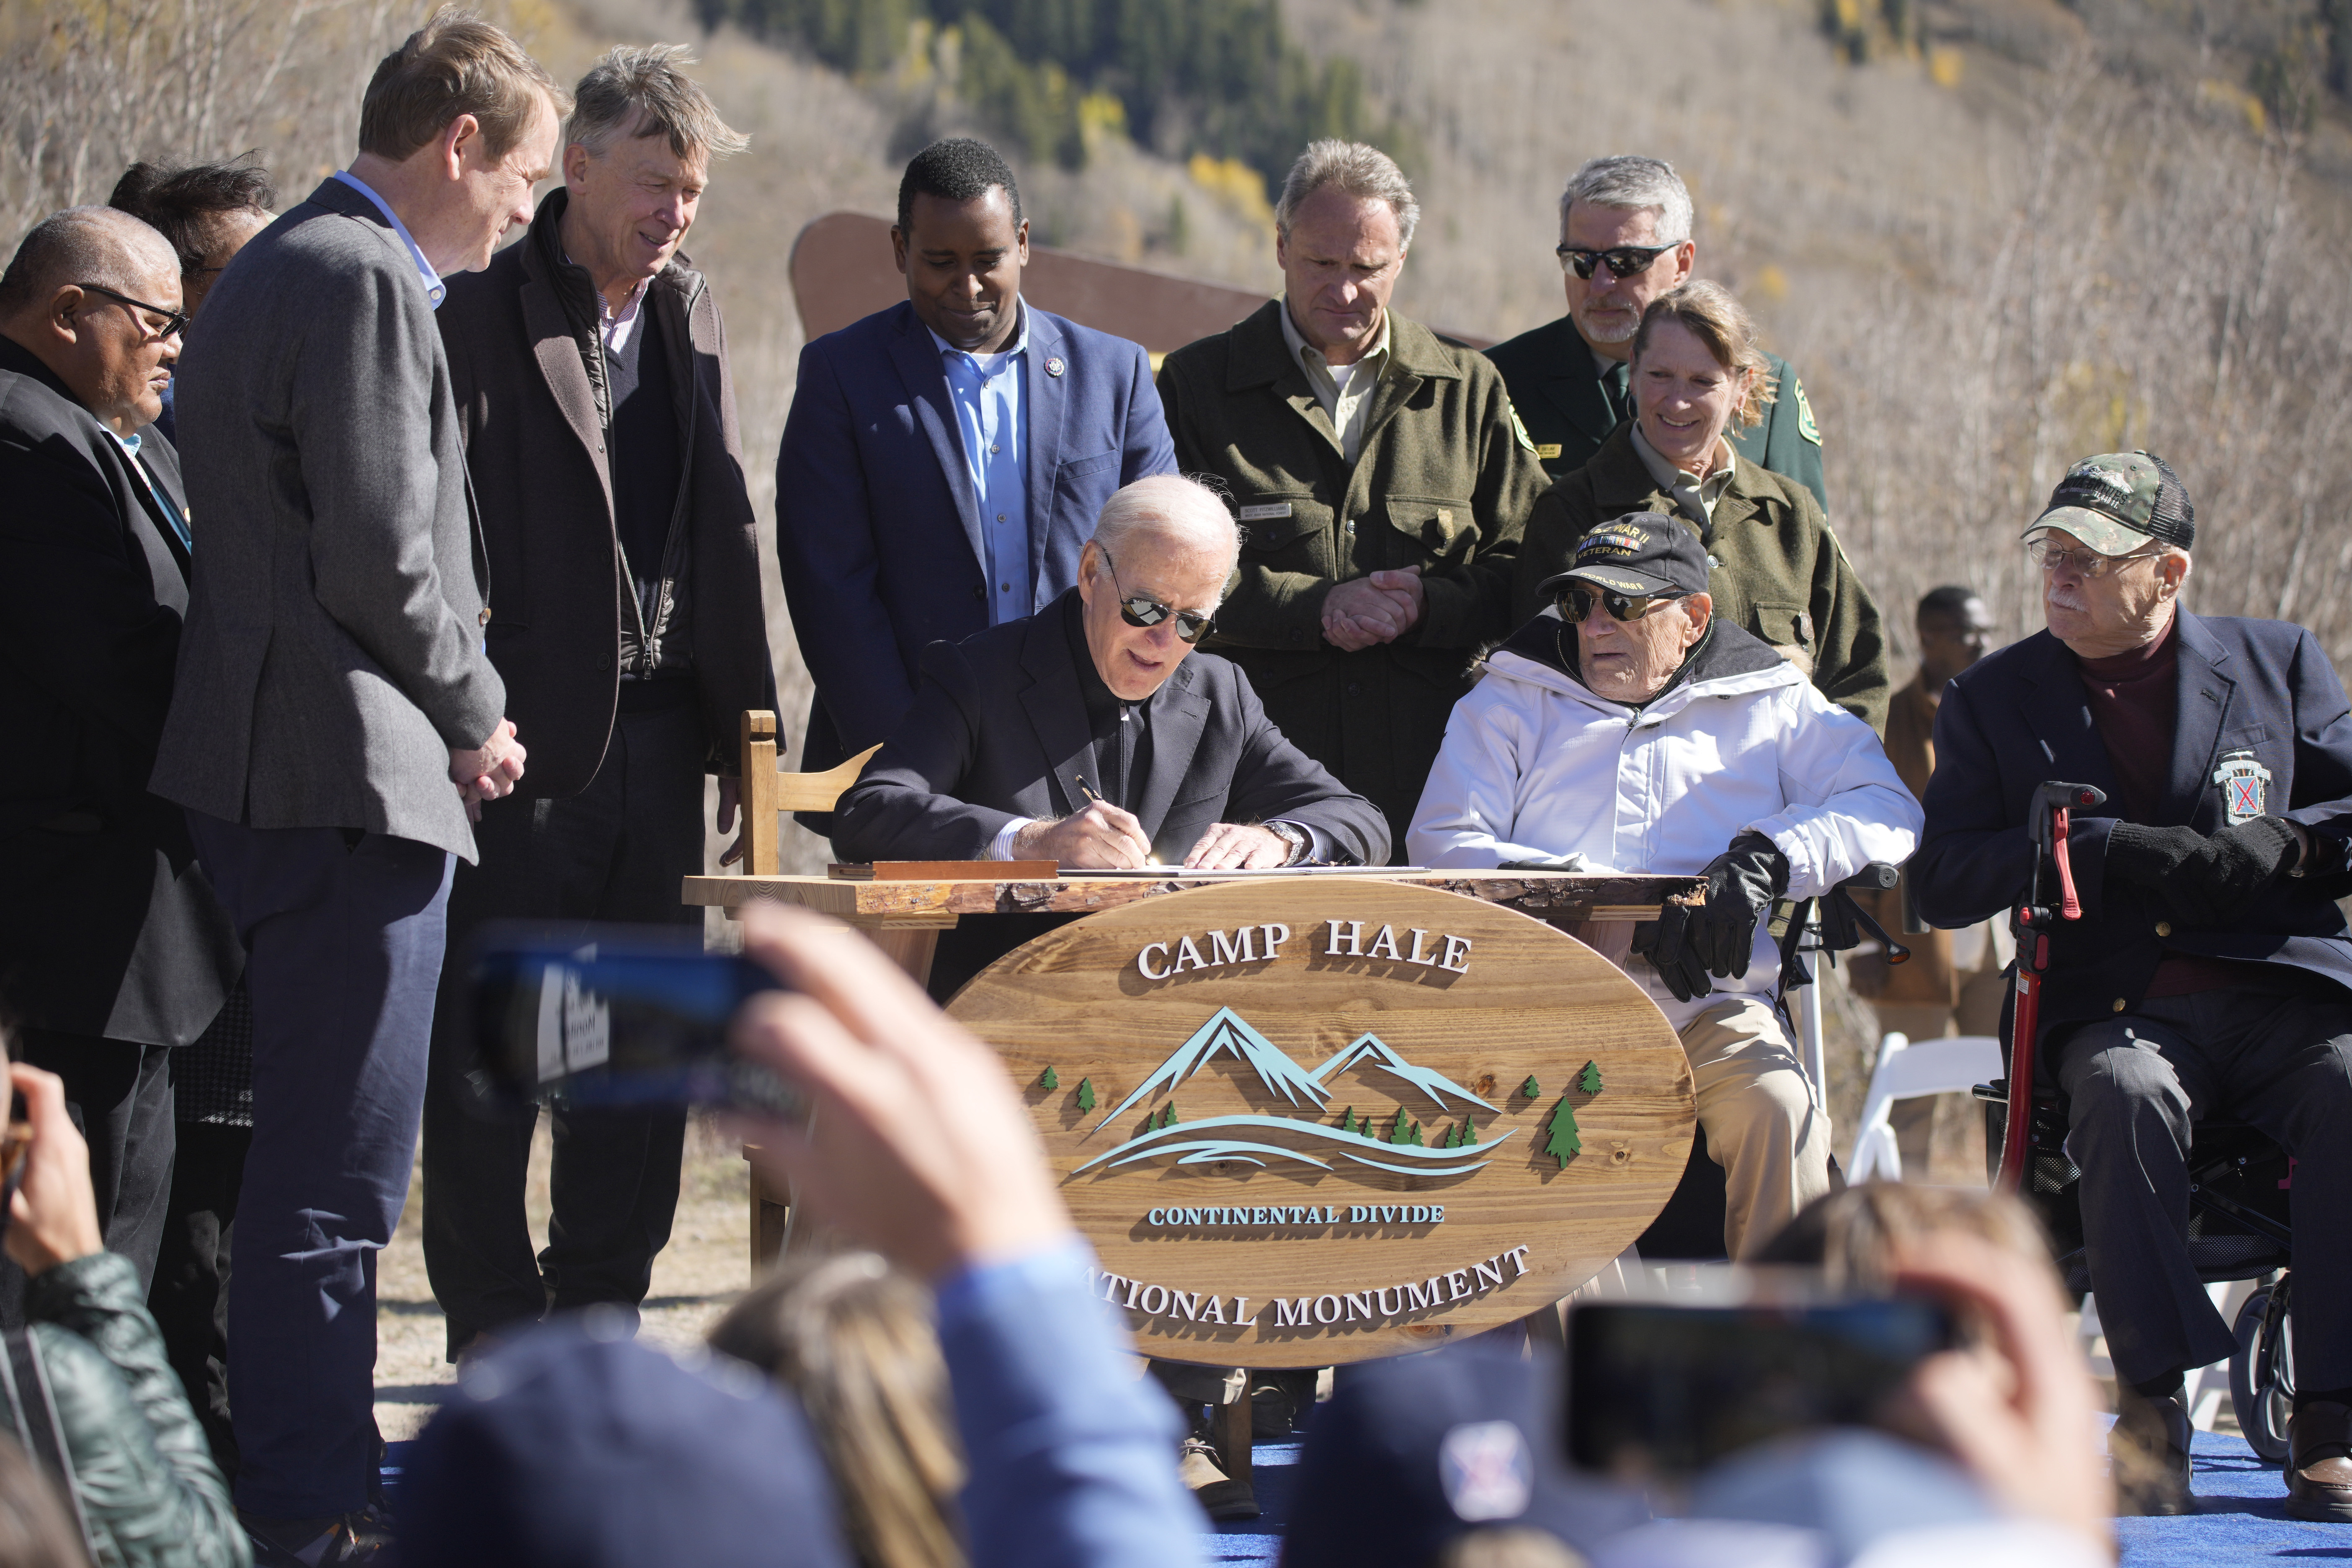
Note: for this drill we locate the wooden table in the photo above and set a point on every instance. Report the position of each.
(905, 919)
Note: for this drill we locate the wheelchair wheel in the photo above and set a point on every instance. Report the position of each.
(2262, 1371)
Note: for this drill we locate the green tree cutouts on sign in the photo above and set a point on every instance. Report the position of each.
(1468, 1135)
(1397, 1130)
(1562, 1140)
(1047, 1080)
(1348, 1119)
(1168, 1116)
(1531, 1088)
(1588, 1081)
(1413, 1138)
(1086, 1094)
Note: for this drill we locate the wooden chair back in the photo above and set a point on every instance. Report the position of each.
(768, 793)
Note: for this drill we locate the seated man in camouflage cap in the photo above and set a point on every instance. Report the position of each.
(2206, 977)
(1628, 725)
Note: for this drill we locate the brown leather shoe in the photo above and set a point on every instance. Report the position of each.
(2319, 1462)
(1221, 1497)
(2149, 1448)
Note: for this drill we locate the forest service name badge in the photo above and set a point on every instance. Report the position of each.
(2244, 783)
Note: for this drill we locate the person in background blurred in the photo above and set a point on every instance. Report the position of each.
(1624, 240)
(597, 409)
(114, 952)
(853, 1338)
(1925, 997)
(207, 211)
(1775, 569)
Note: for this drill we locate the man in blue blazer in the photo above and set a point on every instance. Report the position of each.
(945, 460)
(2207, 975)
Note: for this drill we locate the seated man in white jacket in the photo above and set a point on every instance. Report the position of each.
(1630, 728)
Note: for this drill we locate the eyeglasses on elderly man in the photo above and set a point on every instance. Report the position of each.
(2091, 563)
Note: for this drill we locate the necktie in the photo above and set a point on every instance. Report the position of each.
(1613, 387)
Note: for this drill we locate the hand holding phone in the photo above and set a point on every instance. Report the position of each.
(919, 1145)
(52, 1210)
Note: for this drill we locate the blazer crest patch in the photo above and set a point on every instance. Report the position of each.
(2244, 784)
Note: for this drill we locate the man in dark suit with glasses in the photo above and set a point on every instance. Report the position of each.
(1091, 733)
(1624, 240)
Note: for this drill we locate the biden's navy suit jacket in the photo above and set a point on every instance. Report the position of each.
(2253, 695)
(878, 527)
(999, 731)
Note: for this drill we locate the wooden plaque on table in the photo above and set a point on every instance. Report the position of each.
(1189, 1062)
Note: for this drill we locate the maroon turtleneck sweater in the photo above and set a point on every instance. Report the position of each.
(2134, 701)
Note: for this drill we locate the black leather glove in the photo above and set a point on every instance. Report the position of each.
(1741, 884)
(2232, 870)
(1690, 942)
(1684, 975)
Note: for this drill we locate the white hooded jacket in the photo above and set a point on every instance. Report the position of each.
(1536, 765)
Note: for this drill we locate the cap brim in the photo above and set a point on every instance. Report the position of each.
(1616, 579)
(2095, 529)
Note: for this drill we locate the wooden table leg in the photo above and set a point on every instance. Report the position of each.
(1232, 1429)
(911, 949)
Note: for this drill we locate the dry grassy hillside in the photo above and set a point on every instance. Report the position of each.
(2019, 232)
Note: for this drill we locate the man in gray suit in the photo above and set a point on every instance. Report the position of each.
(336, 722)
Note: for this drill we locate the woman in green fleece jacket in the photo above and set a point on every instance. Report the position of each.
(149, 1493)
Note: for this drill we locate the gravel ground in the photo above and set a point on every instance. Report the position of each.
(705, 1264)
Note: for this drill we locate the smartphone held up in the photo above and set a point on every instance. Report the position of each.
(585, 1015)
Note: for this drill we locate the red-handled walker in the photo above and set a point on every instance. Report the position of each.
(2030, 922)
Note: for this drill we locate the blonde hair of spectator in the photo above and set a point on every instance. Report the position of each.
(1714, 316)
(457, 63)
(1864, 1227)
(36, 1531)
(1360, 170)
(854, 1340)
(1634, 185)
(644, 90)
(1512, 1547)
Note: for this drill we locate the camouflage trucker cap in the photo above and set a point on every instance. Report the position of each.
(2118, 501)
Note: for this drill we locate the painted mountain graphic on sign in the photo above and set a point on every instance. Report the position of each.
(1372, 1049)
(1249, 1139)
(1227, 1031)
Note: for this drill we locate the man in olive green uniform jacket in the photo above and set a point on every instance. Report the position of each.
(1381, 482)
(1568, 377)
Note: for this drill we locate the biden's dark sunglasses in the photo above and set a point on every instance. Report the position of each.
(1137, 610)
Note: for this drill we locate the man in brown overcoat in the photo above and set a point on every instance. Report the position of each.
(590, 367)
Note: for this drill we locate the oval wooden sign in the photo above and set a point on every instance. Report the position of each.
(1314, 1119)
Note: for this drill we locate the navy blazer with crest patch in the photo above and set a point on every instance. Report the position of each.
(2250, 692)
(999, 731)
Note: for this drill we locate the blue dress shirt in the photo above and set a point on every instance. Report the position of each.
(1072, 1457)
(991, 419)
(434, 287)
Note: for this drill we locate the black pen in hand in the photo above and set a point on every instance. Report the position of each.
(1088, 790)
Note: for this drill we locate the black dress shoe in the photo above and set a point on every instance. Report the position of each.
(2319, 1463)
(2149, 1449)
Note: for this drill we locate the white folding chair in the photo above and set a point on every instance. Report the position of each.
(1905, 1070)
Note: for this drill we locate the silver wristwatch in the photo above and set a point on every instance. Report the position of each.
(1296, 836)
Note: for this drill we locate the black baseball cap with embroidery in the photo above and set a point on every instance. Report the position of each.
(2119, 501)
(1640, 554)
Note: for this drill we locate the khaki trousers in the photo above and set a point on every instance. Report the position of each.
(1762, 1125)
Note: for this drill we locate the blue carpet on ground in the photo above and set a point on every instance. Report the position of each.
(2241, 1514)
